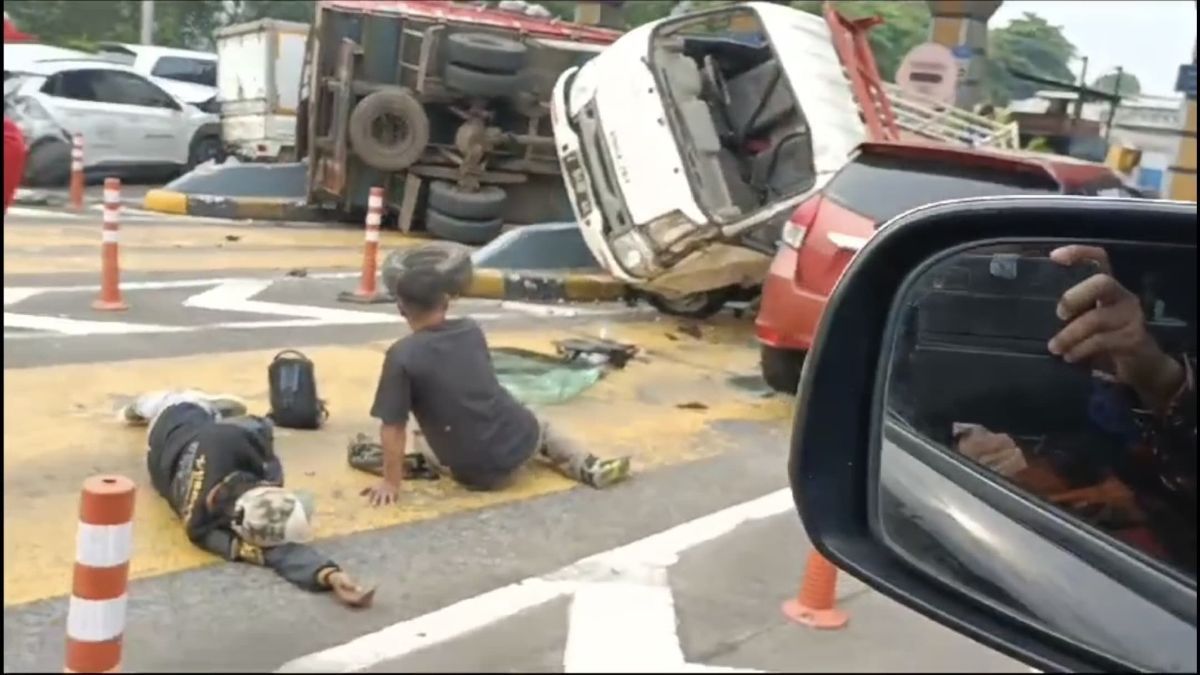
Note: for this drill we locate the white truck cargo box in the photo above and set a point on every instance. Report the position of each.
(258, 82)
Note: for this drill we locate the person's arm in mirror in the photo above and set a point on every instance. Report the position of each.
(1002, 454)
(1106, 326)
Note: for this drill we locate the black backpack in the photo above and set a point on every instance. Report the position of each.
(293, 384)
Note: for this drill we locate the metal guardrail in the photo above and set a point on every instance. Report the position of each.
(931, 119)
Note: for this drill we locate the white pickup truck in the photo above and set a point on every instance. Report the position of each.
(259, 66)
(688, 142)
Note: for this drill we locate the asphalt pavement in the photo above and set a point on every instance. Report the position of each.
(703, 433)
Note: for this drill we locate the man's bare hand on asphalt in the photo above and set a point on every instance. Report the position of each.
(382, 493)
(348, 592)
(1107, 328)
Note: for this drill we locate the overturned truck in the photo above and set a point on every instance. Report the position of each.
(443, 105)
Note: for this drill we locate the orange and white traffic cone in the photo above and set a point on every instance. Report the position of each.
(77, 172)
(815, 605)
(104, 544)
(110, 268)
(368, 291)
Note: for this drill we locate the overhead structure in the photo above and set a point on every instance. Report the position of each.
(607, 14)
(1182, 184)
(961, 26)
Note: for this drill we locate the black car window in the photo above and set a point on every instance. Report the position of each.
(112, 86)
(195, 71)
(1090, 420)
(882, 187)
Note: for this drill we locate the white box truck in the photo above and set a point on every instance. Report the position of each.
(259, 68)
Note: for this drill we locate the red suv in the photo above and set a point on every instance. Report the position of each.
(882, 181)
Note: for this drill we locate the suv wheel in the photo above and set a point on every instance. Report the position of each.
(781, 368)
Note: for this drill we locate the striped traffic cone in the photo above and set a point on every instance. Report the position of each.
(368, 291)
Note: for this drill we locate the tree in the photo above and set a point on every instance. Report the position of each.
(1029, 45)
(1130, 86)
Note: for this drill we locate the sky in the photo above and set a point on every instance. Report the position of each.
(1149, 38)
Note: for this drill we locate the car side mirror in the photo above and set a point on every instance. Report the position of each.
(996, 426)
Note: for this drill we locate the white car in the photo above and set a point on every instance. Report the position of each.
(129, 124)
(688, 142)
(191, 76)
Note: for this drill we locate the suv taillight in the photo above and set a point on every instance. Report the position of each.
(798, 225)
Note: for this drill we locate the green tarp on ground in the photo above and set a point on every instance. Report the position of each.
(540, 379)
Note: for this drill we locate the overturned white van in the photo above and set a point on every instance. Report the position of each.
(687, 143)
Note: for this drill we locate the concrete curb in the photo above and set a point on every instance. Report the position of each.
(233, 208)
(545, 286)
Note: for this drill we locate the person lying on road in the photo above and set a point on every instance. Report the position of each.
(218, 470)
(471, 427)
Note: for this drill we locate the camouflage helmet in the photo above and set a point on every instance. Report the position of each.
(268, 516)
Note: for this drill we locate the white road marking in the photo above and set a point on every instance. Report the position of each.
(624, 626)
(26, 212)
(648, 556)
(54, 324)
(234, 296)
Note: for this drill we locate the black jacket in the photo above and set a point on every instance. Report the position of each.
(190, 454)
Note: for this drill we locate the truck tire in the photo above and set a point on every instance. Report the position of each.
(695, 306)
(462, 230)
(781, 368)
(204, 147)
(389, 129)
(486, 52)
(480, 83)
(446, 197)
(453, 261)
(48, 164)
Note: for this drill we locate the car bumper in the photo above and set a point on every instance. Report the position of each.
(789, 313)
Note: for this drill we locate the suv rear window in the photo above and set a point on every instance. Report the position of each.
(196, 71)
(882, 187)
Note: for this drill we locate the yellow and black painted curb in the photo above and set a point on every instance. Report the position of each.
(232, 208)
(545, 286)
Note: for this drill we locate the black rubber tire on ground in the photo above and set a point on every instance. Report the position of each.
(462, 230)
(486, 52)
(479, 83)
(695, 306)
(781, 368)
(446, 197)
(450, 259)
(408, 123)
(204, 148)
(48, 164)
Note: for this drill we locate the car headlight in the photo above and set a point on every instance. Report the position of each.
(632, 255)
(212, 106)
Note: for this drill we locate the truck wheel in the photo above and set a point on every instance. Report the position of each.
(389, 130)
(48, 164)
(446, 197)
(462, 230)
(781, 368)
(486, 52)
(695, 306)
(453, 261)
(479, 83)
(203, 149)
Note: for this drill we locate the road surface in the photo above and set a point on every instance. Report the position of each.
(212, 302)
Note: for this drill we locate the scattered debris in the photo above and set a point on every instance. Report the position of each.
(297, 272)
(233, 237)
(691, 329)
(597, 351)
(672, 337)
(692, 405)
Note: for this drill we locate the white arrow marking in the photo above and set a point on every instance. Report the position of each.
(624, 625)
(14, 295)
(234, 296)
(81, 327)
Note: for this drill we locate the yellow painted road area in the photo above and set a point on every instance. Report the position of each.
(35, 249)
(60, 428)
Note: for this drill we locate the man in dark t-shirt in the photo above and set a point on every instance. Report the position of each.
(471, 427)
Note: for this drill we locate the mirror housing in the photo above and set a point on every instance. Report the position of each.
(840, 392)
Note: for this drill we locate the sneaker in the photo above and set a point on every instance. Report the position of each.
(602, 473)
(227, 405)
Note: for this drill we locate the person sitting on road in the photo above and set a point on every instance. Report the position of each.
(217, 468)
(471, 427)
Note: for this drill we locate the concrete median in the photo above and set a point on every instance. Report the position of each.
(233, 208)
(545, 286)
